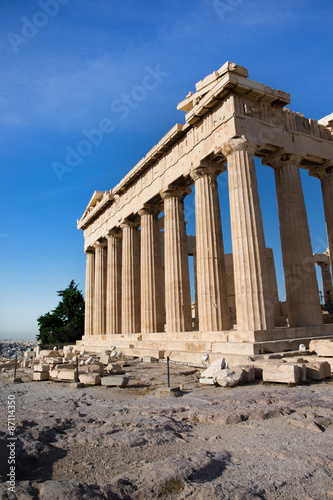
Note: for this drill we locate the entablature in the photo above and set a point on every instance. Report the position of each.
(229, 106)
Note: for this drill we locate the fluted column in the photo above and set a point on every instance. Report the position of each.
(254, 307)
(212, 286)
(130, 297)
(113, 292)
(100, 288)
(89, 292)
(325, 174)
(195, 276)
(299, 270)
(152, 307)
(326, 277)
(177, 280)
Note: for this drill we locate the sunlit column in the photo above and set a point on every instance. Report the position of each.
(254, 307)
(113, 294)
(130, 297)
(152, 307)
(212, 286)
(100, 288)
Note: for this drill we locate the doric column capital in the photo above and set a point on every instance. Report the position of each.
(207, 168)
(149, 209)
(283, 157)
(321, 259)
(322, 171)
(238, 144)
(99, 244)
(175, 192)
(115, 232)
(89, 250)
(127, 223)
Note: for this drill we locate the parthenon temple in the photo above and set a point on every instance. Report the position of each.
(138, 294)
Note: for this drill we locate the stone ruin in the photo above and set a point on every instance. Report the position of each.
(137, 272)
(108, 367)
(68, 364)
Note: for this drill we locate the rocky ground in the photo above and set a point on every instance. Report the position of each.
(248, 442)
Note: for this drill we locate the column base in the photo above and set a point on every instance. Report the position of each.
(189, 347)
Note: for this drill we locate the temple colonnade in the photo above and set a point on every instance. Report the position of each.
(124, 283)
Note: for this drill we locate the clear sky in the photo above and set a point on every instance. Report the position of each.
(67, 65)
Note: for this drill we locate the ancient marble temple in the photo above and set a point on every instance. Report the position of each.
(137, 268)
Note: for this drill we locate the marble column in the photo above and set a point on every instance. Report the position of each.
(177, 280)
(130, 289)
(254, 308)
(195, 276)
(326, 277)
(100, 288)
(89, 292)
(213, 307)
(325, 174)
(302, 293)
(113, 291)
(152, 306)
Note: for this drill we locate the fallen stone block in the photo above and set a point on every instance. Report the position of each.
(114, 381)
(213, 368)
(90, 378)
(49, 354)
(247, 372)
(53, 373)
(318, 370)
(66, 375)
(284, 373)
(38, 376)
(328, 360)
(301, 368)
(66, 366)
(41, 368)
(207, 381)
(105, 358)
(227, 378)
(96, 367)
(323, 347)
(115, 369)
(52, 361)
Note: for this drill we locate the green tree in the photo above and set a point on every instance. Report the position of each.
(66, 322)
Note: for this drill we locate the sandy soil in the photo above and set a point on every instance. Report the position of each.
(248, 442)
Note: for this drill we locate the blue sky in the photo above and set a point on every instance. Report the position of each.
(65, 65)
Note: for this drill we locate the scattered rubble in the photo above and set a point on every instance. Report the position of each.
(142, 441)
(107, 368)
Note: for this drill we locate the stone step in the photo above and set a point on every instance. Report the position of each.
(192, 346)
(193, 336)
(190, 349)
(136, 352)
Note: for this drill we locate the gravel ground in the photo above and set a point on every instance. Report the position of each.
(247, 442)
